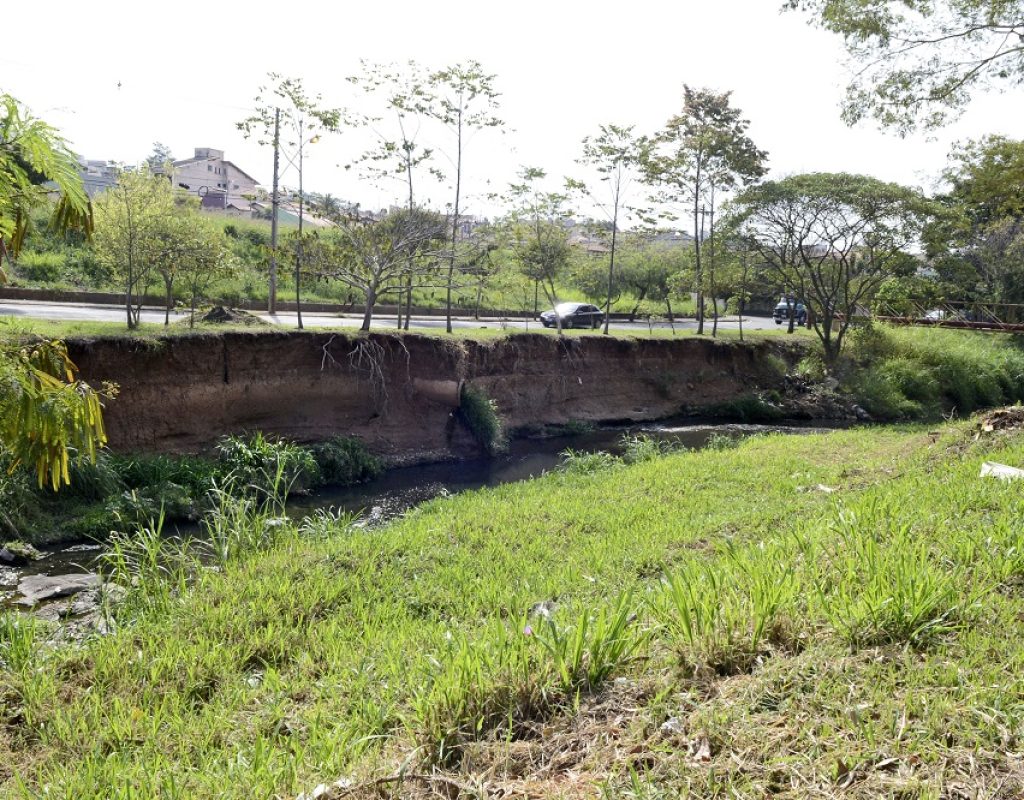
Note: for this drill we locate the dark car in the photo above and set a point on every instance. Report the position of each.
(573, 315)
(782, 310)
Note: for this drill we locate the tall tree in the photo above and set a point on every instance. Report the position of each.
(132, 219)
(612, 153)
(33, 152)
(702, 153)
(832, 239)
(160, 157)
(466, 102)
(919, 60)
(536, 234)
(977, 247)
(406, 95)
(374, 256)
(286, 116)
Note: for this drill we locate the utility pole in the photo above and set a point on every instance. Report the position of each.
(272, 295)
(298, 248)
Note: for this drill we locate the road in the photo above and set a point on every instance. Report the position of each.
(81, 312)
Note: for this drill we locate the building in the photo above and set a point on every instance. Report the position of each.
(97, 176)
(219, 183)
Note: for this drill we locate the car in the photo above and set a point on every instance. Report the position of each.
(573, 315)
(782, 311)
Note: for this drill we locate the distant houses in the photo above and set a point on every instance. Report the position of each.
(97, 176)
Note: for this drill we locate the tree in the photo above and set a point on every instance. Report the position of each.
(831, 240)
(374, 256)
(612, 153)
(977, 245)
(132, 220)
(159, 158)
(466, 101)
(203, 257)
(920, 59)
(653, 270)
(703, 153)
(284, 107)
(32, 153)
(536, 233)
(47, 415)
(407, 97)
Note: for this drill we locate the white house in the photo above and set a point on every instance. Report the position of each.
(219, 182)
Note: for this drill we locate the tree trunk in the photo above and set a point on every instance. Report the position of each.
(611, 261)
(408, 301)
(791, 310)
(169, 301)
(455, 225)
(671, 316)
(371, 298)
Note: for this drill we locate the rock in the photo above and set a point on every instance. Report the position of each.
(673, 725)
(19, 554)
(861, 414)
(544, 609)
(36, 588)
(992, 469)
(8, 577)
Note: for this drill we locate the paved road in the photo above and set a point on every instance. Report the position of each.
(103, 313)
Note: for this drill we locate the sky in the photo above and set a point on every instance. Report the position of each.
(116, 77)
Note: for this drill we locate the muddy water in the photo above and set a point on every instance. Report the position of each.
(400, 489)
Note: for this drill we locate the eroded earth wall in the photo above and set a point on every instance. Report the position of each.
(180, 394)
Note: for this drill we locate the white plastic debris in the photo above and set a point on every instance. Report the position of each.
(991, 469)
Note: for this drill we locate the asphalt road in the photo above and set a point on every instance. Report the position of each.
(103, 313)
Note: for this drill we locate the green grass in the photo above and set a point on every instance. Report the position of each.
(63, 329)
(918, 373)
(866, 640)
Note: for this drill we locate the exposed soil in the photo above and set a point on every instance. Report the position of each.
(181, 394)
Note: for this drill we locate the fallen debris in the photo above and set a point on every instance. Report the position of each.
(992, 469)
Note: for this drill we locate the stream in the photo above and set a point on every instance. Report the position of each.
(402, 488)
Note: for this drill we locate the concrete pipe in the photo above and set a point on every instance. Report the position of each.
(447, 393)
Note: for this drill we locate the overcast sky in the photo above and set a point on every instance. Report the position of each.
(118, 76)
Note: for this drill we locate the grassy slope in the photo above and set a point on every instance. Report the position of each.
(894, 633)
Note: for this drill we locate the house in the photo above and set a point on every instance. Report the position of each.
(220, 183)
(97, 176)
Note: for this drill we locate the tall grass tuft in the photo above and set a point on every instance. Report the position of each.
(480, 413)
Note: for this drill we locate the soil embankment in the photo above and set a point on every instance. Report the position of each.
(180, 394)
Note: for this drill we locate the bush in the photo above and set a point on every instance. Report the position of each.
(480, 414)
(41, 267)
(747, 408)
(902, 373)
(267, 466)
(345, 460)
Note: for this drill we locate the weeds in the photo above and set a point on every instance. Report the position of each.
(19, 640)
(588, 652)
(480, 413)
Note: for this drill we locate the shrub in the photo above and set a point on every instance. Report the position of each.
(575, 462)
(41, 267)
(344, 460)
(480, 413)
(747, 408)
(267, 466)
(641, 447)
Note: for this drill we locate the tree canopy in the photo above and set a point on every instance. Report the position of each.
(33, 153)
(919, 60)
(831, 239)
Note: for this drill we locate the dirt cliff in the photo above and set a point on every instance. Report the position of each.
(179, 394)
